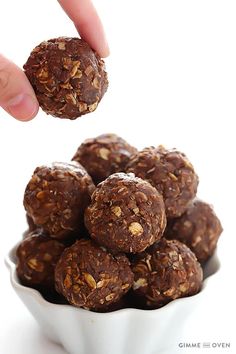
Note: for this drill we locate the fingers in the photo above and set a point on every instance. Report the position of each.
(16, 94)
(88, 24)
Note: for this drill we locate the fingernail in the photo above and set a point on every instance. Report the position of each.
(22, 107)
(105, 48)
(107, 51)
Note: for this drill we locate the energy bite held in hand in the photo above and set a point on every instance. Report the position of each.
(170, 172)
(104, 155)
(126, 214)
(37, 256)
(68, 77)
(199, 228)
(56, 197)
(166, 271)
(89, 276)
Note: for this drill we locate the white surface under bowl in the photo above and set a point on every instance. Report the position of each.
(127, 331)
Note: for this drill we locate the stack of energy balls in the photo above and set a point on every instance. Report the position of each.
(116, 227)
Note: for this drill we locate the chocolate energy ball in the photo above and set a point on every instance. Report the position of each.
(68, 77)
(170, 172)
(56, 197)
(90, 277)
(199, 228)
(126, 214)
(104, 155)
(166, 271)
(37, 256)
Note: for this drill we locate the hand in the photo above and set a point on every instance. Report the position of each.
(17, 96)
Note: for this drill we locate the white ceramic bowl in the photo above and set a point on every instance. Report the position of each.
(127, 331)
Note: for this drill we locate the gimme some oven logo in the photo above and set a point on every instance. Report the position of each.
(204, 345)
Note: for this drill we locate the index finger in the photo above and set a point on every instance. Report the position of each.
(88, 23)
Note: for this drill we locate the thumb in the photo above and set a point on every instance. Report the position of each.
(17, 96)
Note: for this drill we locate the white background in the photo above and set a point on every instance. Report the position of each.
(172, 74)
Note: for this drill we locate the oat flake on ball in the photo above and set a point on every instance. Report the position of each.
(104, 155)
(126, 214)
(56, 197)
(170, 172)
(37, 256)
(89, 276)
(199, 228)
(68, 77)
(166, 271)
